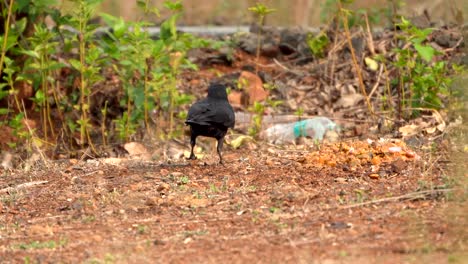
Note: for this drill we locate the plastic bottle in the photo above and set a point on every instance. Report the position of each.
(287, 133)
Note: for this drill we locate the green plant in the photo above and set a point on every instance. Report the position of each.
(39, 70)
(141, 229)
(66, 69)
(360, 195)
(317, 44)
(9, 41)
(51, 244)
(331, 11)
(421, 79)
(261, 11)
(274, 209)
(148, 69)
(184, 180)
(299, 112)
(213, 188)
(87, 65)
(258, 109)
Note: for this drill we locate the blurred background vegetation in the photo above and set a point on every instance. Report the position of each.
(289, 13)
(82, 89)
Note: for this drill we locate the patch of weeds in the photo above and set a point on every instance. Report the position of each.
(280, 225)
(341, 199)
(274, 209)
(10, 227)
(88, 219)
(427, 248)
(455, 258)
(224, 186)
(186, 211)
(251, 188)
(10, 199)
(183, 180)
(424, 185)
(318, 44)
(197, 195)
(213, 188)
(247, 189)
(193, 233)
(343, 253)
(108, 259)
(360, 195)
(50, 244)
(112, 197)
(237, 207)
(27, 260)
(255, 216)
(141, 229)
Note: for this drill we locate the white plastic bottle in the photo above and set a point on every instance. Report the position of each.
(287, 133)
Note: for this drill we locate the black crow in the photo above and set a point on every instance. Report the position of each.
(211, 117)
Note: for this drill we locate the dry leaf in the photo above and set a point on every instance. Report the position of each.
(371, 64)
(237, 142)
(409, 130)
(136, 149)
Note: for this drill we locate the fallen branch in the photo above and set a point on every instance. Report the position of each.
(22, 186)
(404, 197)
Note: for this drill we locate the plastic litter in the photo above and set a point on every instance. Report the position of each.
(287, 133)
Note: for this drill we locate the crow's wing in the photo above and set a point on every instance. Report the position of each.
(211, 112)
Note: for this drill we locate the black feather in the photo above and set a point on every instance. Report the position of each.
(211, 117)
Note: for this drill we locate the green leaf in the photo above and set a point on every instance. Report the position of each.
(169, 29)
(39, 96)
(141, 4)
(20, 25)
(120, 28)
(425, 51)
(174, 6)
(75, 64)
(30, 53)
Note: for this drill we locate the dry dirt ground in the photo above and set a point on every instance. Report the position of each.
(355, 201)
(348, 202)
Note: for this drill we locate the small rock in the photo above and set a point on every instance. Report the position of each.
(76, 180)
(340, 180)
(153, 201)
(158, 242)
(340, 225)
(398, 165)
(188, 240)
(177, 174)
(163, 186)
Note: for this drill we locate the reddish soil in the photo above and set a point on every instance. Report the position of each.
(266, 205)
(349, 202)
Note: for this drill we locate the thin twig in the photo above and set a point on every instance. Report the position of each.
(376, 85)
(370, 40)
(22, 186)
(355, 61)
(408, 196)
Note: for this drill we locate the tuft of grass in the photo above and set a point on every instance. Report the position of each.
(49, 244)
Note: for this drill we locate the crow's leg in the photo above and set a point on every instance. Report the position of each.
(193, 141)
(219, 148)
